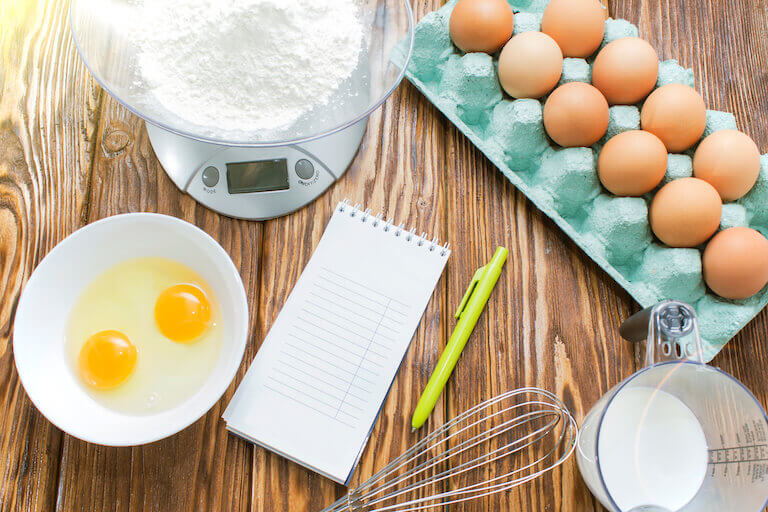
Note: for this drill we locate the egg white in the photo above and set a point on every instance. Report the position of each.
(123, 298)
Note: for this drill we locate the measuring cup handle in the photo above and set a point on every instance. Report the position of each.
(635, 328)
(670, 330)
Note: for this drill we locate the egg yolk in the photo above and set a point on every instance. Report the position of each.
(107, 359)
(183, 312)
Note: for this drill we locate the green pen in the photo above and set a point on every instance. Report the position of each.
(469, 311)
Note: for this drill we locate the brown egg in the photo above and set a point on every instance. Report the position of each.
(530, 65)
(481, 25)
(577, 25)
(685, 212)
(575, 115)
(632, 163)
(626, 70)
(676, 114)
(729, 161)
(736, 263)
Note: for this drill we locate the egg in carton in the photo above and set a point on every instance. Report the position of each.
(563, 182)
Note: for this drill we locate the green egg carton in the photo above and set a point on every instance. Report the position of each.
(563, 182)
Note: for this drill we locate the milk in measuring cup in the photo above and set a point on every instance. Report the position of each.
(677, 434)
(652, 450)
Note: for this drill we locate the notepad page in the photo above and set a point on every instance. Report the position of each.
(316, 386)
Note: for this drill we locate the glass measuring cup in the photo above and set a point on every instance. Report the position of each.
(678, 435)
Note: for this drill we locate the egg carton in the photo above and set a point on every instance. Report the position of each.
(563, 182)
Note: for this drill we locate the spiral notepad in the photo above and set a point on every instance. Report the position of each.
(317, 384)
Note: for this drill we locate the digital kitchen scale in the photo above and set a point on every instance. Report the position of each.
(249, 175)
(256, 183)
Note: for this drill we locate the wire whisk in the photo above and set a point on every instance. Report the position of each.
(493, 447)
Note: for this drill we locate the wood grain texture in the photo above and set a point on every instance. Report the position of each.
(48, 111)
(201, 468)
(558, 342)
(399, 172)
(70, 155)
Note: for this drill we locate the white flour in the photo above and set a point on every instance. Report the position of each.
(246, 65)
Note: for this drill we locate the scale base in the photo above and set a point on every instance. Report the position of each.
(200, 170)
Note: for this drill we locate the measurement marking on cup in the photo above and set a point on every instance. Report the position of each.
(739, 454)
(753, 459)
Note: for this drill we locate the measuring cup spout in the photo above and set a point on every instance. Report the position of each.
(670, 330)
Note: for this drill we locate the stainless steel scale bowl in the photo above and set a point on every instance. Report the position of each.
(250, 175)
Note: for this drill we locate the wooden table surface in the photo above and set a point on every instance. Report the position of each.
(69, 155)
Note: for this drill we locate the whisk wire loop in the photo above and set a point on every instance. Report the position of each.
(439, 469)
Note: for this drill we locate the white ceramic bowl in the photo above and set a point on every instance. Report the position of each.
(45, 304)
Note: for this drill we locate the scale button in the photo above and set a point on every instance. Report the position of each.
(304, 169)
(210, 176)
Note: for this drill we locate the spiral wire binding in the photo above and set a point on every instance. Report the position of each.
(508, 440)
(409, 235)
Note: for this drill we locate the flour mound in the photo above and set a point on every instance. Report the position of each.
(246, 65)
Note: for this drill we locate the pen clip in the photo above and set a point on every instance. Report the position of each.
(472, 284)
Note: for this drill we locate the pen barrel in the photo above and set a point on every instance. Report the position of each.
(476, 300)
(437, 381)
(499, 257)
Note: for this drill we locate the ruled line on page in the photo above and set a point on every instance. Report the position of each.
(305, 344)
(310, 406)
(349, 280)
(318, 401)
(346, 394)
(304, 368)
(333, 344)
(375, 304)
(344, 333)
(343, 316)
(347, 309)
(336, 382)
(339, 337)
(303, 350)
(342, 297)
(347, 330)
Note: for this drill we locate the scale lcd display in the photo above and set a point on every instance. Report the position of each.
(261, 176)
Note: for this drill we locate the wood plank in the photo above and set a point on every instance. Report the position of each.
(724, 43)
(398, 171)
(203, 467)
(423, 194)
(551, 322)
(48, 113)
(552, 319)
(573, 288)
